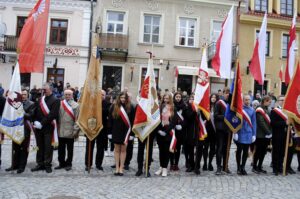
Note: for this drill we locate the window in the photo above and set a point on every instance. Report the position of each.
(284, 45)
(187, 32)
(115, 22)
(58, 31)
(20, 23)
(156, 73)
(216, 30)
(151, 28)
(261, 5)
(286, 7)
(58, 74)
(267, 42)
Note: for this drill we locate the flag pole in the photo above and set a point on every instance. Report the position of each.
(286, 149)
(147, 158)
(89, 155)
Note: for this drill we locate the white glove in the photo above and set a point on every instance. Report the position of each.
(178, 127)
(268, 136)
(253, 138)
(109, 136)
(162, 133)
(37, 125)
(235, 137)
(131, 137)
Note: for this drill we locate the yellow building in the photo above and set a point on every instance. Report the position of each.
(280, 14)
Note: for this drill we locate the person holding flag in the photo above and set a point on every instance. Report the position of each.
(46, 129)
(263, 134)
(246, 135)
(166, 138)
(121, 116)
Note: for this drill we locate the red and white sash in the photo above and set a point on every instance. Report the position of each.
(264, 114)
(172, 147)
(46, 112)
(247, 118)
(223, 104)
(281, 113)
(32, 146)
(126, 120)
(68, 109)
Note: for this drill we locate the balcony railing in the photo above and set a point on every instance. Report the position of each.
(10, 43)
(212, 50)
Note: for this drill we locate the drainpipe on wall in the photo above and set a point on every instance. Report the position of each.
(91, 32)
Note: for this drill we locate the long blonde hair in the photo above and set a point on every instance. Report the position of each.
(171, 103)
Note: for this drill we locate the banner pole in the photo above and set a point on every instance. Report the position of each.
(147, 158)
(286, 150)
(89, 155)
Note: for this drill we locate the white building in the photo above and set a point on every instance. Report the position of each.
(67, 41)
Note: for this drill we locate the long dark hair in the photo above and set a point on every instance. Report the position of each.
(217, 99)
(118, 105)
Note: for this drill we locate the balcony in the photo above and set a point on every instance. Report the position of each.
(10, 43)
(113, 47)
(211, 50)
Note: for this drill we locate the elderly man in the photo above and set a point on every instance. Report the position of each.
(20, 152)
(68, 130)
(45, 124)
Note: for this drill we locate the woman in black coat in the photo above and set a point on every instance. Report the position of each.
(121, 118)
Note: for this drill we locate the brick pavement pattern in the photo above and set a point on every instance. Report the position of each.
(77, 183)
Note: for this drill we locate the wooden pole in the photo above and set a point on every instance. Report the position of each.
(147, 158)
(89, 155)
(228, 150)
(286, 149)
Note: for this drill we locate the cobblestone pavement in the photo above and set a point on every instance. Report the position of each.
(77, 183)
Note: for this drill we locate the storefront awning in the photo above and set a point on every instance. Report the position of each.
(189, 70)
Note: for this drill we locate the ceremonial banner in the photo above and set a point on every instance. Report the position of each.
(291, 104)
(90, 114)
(32, 40)
(12, 122)
(147, 115)
(234, 112)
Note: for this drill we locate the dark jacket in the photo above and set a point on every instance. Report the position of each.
(29, 108)
(263, 128)
(53, 104)
(191, 126)
(2, 104)
(117, 127)
(180, 108)
(219, 114)
(278, 124)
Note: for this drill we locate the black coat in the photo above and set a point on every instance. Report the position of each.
(2, 104)
(29, 108)
(53, 104)
(278, 124)
(117, 127)
(191, 126)
(180, 134)
(219, 114)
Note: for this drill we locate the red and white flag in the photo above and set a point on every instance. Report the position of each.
(290, 61)
(201, 98)
(221, 62)
(147, 115)
(258, 63)
(32, 40)
(291, 104)
(280, 74)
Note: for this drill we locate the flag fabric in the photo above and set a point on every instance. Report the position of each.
(234, 112)
(280, 74)
(291, 104)
(202, 98)
(12, 121)
(258, 63)
(147, 115)
(290, 61)
(221, 62)
(90, 113)
(32, 40)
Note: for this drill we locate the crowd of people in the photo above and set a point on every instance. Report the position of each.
(264, 129)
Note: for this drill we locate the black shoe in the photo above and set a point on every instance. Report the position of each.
(48, 170)
(197, 171)
(20, 170)
(204, 168)
(218, 172)
(210, 167)
(255, 170)
(126, 167)
(262, 171)
(113, 166)
(116, 173)
(58, 167)
(275, 173)
(10, 169)
(121, 174)
(298, 168)
(239, 171)
(139, 173)
(290, 171)
(99, 168)
(227, 171)
(37, 168)
(148, 175)
(243, 172)
(189, 169)
(68, 168)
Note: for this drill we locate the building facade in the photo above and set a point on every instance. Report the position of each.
(174, 30)
(66, 54)
(280, 14)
